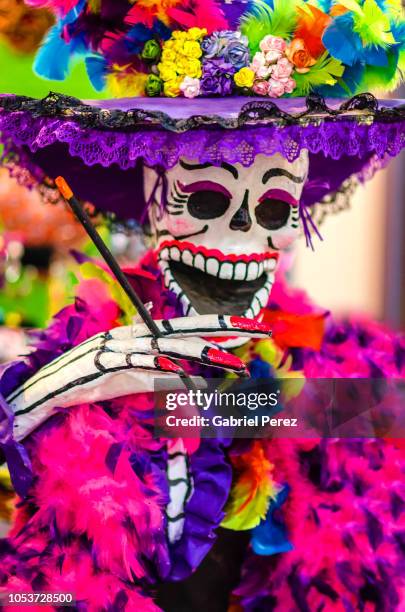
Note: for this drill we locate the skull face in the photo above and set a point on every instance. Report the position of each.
(219, 236)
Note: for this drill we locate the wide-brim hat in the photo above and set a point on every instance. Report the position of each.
(100, 146)
(193, 69)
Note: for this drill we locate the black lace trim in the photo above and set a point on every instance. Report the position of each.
(362, 107)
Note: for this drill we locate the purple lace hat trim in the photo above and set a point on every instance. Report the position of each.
(100, 150)
(164, 148)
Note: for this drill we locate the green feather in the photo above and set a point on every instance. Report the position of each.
(385, 78)
(373, 25)
(326, 71)
(261, 20)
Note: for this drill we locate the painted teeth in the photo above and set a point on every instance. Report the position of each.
(212, 266)
(199, 262)
(240, 271)
(259, 299)
(187, 258)
(269, 265)
(226, 270)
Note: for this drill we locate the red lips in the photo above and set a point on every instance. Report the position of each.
(216, 254)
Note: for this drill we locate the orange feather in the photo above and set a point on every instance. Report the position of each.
(311, 25)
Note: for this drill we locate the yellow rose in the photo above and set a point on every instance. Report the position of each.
(171, 89)
(244, 77)
(192, 49)
(181, 65)
(167, 72)
(168, 55)
(169, 44)
(193, 68)
(178, 46)
(179, 35)
(196, 33)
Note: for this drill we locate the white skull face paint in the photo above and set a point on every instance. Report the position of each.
(219, 237)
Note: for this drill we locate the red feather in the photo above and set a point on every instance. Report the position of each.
(139, 15)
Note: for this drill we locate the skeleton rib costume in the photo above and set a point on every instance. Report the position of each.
(128, 521)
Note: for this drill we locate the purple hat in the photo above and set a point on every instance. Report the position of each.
(99, 148)
(212, 83)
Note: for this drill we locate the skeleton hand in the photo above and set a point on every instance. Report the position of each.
(124, 361)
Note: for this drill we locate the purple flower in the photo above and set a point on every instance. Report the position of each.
(237, 54)
(230, 46)
(217, 78)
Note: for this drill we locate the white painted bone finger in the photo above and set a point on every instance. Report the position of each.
(200, 325)
(192, 349)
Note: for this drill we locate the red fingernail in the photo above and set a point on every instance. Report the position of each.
(163, 363)
(250, 325)
(222, 359)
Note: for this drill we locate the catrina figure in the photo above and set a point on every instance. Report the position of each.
(230, 125)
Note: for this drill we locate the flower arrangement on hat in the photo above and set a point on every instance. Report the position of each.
(188, 47)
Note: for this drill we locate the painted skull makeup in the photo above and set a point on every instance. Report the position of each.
(219, 230)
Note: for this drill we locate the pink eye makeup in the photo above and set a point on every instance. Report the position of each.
(205, 186)
(279, 194)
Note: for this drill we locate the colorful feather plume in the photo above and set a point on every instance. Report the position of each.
(287, 47)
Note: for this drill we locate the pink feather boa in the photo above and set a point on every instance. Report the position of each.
(94, 525)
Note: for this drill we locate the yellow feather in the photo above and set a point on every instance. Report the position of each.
(125, 83)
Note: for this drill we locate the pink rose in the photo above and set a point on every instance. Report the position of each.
(273, 43)
(276, 89)
(264, 71)
(273, 56)
(282, 69)
(261, 88)
(190, 87)
(258, 61)
(290, 85)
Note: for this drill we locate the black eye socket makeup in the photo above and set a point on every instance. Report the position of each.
(274, 208)
(272, 214)
(207, 204)
(207, 199)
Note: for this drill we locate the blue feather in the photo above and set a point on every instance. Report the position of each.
(96, 67)
(398, 32)
(259, 368)
(137, 37)
(270, 537)
(375, 56)
(53, 58)
(52, 61)
(344, 44)
(340, 41)
(161, 30)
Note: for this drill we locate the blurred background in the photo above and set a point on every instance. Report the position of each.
(360, 264)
